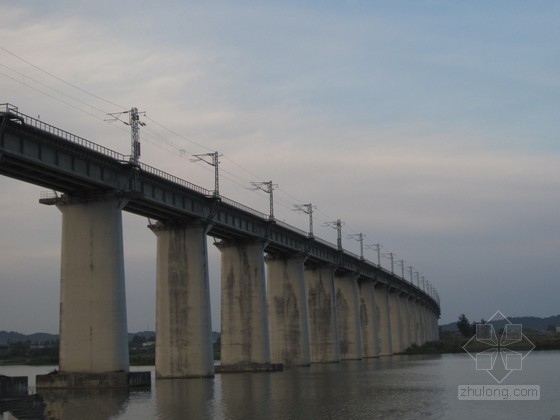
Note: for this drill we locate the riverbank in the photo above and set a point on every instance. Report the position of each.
(450, 342)
(453, 342)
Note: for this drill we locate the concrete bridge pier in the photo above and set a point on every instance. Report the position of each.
(348, 317)
(413, 310)
(323, 328)
(93, 325)
(423, 325)
(435, 327)
(183, 321)
(395, 320)
(405, 321)
(288, 313)
(384, 335)
(244, 318)
(368, 318)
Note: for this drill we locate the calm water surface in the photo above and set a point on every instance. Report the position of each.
(397, 387)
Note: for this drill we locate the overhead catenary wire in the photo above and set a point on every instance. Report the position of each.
(151, 134)
(61, 79)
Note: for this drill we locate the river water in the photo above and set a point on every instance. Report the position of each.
(397, 387)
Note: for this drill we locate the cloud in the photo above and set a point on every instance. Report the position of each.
(426, 130)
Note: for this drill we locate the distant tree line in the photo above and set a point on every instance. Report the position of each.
(466, 328)
(26, 352)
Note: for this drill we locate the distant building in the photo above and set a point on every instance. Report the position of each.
(558, 328)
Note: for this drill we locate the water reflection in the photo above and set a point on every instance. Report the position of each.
(94, 404)
(398, 387)
(374, 388)
(184, 398)
(245, 395)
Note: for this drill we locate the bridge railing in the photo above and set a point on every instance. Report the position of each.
(293, 228)
(12, 110)
(34, 122)
(244, 208)
(174, 179)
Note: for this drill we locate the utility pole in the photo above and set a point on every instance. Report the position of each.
(401, 263)
(267, 187)
(215, 162)
(377, 248)
(134, 123)
(411, 275)
(307, 209)
(391, 256)
(338, 226)
(360, 238)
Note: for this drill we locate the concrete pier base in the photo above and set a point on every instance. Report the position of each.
(11, 386)
(323, 329)
(384, 336)
(348, 317)
(183, 319)
(250, 367)
(244, 338)
(368, 319)
(93, 328)
(66, 380)
(288, 314)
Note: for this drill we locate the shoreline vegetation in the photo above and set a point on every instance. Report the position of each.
(453, 342)
(142, 347)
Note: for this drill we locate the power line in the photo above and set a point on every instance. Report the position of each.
(159, 139)
(61, 79)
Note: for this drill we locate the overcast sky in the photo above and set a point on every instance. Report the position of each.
(430, 126)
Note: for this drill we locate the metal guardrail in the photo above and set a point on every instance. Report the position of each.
(9, 109)
(244, 208)
(293, 229)
(172, 178)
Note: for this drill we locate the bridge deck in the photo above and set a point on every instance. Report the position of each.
(40, 154)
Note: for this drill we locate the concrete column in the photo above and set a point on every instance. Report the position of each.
(384, 335)
(323, 329)
(244, 338)
(435, 328)
(421, 339)
(288, 315)
(413, 305)
(183, 320)
(430, 322)
(405, 321)
(423, 324)
(395, 319)
(93, 328)
(348, 317)
(368, 318)
(411, 321)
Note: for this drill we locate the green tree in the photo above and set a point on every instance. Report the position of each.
(464, 326)
(137, 341)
